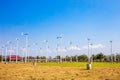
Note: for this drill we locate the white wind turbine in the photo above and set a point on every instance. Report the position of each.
(59, 38)
(26, 41)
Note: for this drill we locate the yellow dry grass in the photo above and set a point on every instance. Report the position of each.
(22, 71)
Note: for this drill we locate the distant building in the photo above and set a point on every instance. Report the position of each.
(13, 58)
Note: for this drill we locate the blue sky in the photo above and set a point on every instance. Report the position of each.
(76, 20)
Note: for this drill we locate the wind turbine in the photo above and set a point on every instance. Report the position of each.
(40, 53)
(23, 53)
(66, 55)
(28, 53)
(91, 52)
(89, 66)
(26, 35)
(17, 44)
(10, 51)
(77, 55)
(36, 50)
(57, 58)
(71, 51)
(59, 38)
(111, 51)
(88, 50)
(46, 45)
(6, 53)
(2, 53)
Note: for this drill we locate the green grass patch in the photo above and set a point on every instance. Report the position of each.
(105, 64)
(80, 64)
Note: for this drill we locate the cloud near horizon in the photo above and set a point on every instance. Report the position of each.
(98, 46)
(76, 48)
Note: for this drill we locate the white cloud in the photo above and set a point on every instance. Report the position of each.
(61, 50)
(76, 48)
(98, 46)
(12, 51)
(24, 50)
(49, 51)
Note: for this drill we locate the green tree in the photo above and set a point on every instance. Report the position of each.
(0, 58)
(43, 57)
(94, 57)
(118, 57)
(74, 58)
(68, 58)
(100, 56)
(83, 58)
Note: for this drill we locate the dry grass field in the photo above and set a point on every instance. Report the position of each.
(22, 71)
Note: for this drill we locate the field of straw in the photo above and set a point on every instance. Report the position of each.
(22, 71)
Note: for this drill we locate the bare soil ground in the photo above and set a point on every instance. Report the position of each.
(22, 71)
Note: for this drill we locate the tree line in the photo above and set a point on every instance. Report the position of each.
(100, 57)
